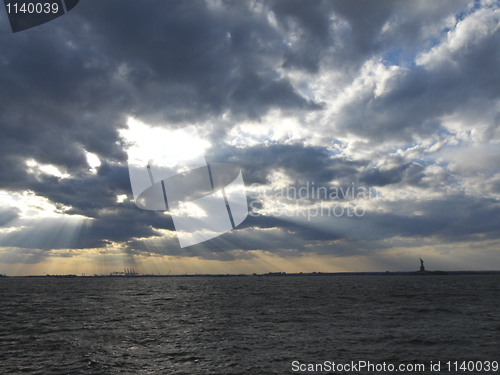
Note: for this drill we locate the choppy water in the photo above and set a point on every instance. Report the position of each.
(242, 325)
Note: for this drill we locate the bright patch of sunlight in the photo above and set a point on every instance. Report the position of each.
(93, 161)
(121, 198)
(37, 168)
(168, 148)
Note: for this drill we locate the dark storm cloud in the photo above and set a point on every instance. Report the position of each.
(313, 26)
(411, 173)
(457, 218)
(453, 219)
(280, 237)
(363, 33)
(307, 164)
(299, 162)
(187, 60)
(460, 79)
(88, 194)
(413, 108)
(366, 20)
(123, 224)
(69, 87)
(409, 22)
(92, 196)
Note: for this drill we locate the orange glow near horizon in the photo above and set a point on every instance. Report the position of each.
(105, 261)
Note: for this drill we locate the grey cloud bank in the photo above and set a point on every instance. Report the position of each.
(401, 96)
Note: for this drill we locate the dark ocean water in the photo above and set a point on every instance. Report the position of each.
(243, 325)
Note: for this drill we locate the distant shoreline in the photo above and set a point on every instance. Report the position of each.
(275, 274)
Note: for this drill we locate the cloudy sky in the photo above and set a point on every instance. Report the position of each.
(401, 99)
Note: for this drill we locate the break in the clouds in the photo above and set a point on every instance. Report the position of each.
(401, 97)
